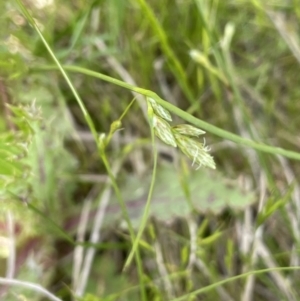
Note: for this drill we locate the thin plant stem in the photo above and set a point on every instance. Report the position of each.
(85, 113)
(147, 207)
(184, 115)
(175, 64)
(230, 279)
(95, 135)
(127, 219)
(127, 109)
(29, 285)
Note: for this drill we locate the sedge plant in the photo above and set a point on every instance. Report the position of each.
(183, 136)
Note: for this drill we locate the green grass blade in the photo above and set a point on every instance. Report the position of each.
(175, 64)
(241, 276)
(61, 69)
(95, 135)
(60, 232)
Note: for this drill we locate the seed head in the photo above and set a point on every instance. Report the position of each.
(181, 135)
(163, 131)
(188, 130)
(195, 150)
(159, 110)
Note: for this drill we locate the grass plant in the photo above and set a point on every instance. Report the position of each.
(92, 183)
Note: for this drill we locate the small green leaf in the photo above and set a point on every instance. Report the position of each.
(10, 168)
(209, 193)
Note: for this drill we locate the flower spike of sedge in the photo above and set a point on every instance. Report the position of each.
(181, 135)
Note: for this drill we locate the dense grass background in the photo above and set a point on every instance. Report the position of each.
(225, 234)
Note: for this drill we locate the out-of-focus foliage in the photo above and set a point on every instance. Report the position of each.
(14, 148)
(201, 190)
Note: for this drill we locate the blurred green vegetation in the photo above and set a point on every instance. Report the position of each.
(233, 64)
